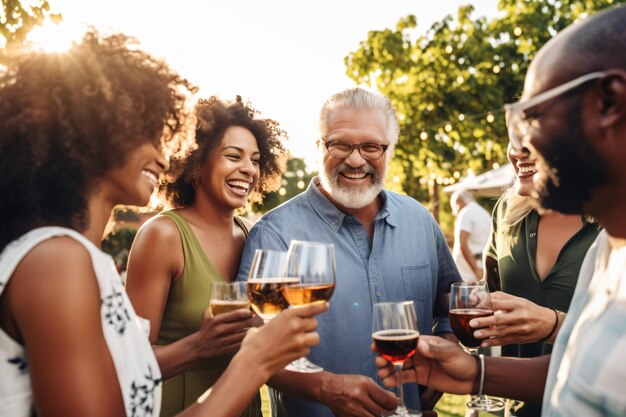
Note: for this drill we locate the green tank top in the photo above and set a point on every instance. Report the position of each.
(187, 300)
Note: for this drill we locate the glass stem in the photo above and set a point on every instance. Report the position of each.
(401, 406)
(474, 352)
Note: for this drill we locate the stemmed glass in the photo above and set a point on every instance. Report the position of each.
(265, 282)
(471, 300)
(311, 268)
(227, 297)
(395, 334)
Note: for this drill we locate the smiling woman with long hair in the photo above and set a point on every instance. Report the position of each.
(82, 132)
(177, 255)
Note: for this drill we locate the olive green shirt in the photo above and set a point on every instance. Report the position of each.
(187, 300)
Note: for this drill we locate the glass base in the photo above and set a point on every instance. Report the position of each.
(303, 365)
(484, 403)
(402, 412)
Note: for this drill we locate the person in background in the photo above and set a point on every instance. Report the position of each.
(536, 257)
(471, 234)
(388, 248)
(178, 254)
(83, 131)
(572, 119)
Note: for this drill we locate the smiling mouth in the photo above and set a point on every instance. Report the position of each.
(151, 176)
(355, 176)
(241, 187)
(526, 171)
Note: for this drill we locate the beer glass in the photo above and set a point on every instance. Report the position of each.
(227, 296)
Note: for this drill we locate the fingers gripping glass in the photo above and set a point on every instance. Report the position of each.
(470, 300)
(519, 126)
(395, 334)
(369, 151)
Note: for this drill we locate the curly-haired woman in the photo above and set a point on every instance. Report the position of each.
(82, 132)
(177, 255)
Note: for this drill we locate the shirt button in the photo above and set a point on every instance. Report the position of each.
(378, 293)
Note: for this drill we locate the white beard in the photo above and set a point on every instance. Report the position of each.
(352, 197)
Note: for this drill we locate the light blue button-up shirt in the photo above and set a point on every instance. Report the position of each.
(408, 259)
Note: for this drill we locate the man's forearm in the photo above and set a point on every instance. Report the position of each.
(520, 379)
(307, 386)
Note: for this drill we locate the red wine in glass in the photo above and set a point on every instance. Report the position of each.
(459, 320)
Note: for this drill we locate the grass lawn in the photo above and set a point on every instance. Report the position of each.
(449, 405)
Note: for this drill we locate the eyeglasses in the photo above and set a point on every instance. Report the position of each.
(369, 151)
(519, 125)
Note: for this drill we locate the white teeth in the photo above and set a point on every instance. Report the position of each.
(153, 178)
(527, 169)
(239, 184)
(354, 176)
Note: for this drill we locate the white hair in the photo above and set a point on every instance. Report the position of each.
(464, 195)
(358, 98)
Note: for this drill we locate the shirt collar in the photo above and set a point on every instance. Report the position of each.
(332, 215)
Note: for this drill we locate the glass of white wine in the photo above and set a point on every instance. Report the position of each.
(227, 297)
(265, 282)
(311, 273)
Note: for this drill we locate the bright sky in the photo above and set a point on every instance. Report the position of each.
(285, 56)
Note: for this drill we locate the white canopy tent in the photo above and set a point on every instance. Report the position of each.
(488, 184)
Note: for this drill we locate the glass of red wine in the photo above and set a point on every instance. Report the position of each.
(395, 334)
(471, 300)
(310, 274)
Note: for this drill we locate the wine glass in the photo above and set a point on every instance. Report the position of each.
(470, 300)
(227, 297)
(265, 281)
(395, 334)
(311, 268)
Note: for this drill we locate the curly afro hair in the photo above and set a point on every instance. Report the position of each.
(68, 118)
(213, 118)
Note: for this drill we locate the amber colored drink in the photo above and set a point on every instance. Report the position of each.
(303, 294)
(396, 345)
(459, 320)
(226, 306)
(266, 296)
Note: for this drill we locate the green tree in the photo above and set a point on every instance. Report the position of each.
(449, 84)
(18, 18)
(295, 180)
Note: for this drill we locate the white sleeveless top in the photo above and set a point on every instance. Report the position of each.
(125, 333)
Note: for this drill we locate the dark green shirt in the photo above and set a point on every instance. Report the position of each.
(515, 251)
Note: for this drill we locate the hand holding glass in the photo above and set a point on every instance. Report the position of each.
(470, 300)
(395, 334)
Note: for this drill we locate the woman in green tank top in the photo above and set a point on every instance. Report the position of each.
(177, 255)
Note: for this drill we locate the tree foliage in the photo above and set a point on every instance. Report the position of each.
(449, 84)
(18, 18)
(295, 180)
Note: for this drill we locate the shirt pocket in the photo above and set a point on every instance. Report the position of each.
(417, 282)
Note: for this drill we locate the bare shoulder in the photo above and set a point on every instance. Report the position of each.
(55, 275)
(161, 228)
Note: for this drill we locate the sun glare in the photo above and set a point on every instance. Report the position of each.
(53, 37)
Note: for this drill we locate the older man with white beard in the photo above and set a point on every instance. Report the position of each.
(388, 248)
